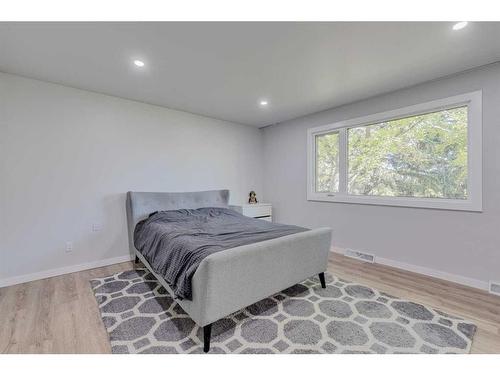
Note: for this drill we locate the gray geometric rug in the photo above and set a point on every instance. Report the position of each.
(346, 317)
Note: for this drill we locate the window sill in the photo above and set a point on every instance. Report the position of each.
(431, 203)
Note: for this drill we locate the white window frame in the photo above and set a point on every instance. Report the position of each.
(472, 100)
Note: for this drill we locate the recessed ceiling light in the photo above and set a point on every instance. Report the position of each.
(264, 103)
(139, 63)
(460, 25)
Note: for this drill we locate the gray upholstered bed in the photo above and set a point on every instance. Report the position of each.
(229, 280)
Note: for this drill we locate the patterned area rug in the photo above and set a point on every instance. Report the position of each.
(346, 317)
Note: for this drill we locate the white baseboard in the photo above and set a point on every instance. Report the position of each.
(62, 271)
(474, 283)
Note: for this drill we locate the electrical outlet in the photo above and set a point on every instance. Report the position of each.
(69, 247)
(96, 227)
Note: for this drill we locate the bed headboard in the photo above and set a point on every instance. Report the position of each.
(141, 204)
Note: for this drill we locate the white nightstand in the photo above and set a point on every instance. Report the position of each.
(262, 211)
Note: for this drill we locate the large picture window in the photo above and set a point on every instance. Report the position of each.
(428, 155)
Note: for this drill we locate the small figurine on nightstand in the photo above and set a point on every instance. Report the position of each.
(252, 199)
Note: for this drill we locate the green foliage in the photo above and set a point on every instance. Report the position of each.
(327, 162)
(418, 156)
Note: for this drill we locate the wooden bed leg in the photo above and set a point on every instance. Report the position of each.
(207, 331)
(322, 279)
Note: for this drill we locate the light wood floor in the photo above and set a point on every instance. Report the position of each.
(60, 315)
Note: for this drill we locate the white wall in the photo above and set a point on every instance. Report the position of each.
(67, 158)
(463, 244)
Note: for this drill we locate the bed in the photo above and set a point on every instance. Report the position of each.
(229, 280)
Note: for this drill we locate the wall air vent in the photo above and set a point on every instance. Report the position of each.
(495, 287)
(365, 257)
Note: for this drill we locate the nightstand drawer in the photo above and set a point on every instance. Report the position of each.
(257, 210)
(266, 218)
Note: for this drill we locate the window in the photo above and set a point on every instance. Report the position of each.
(427, 155)
(327, 162)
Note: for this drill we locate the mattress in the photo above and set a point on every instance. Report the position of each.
(175, 242)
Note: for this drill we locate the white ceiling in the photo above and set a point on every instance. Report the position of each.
(223, 70)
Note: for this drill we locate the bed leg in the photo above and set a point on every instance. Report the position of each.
(322, 279)
(207, 331)
(136, 260)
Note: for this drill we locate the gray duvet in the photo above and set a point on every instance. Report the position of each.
(175, 242)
